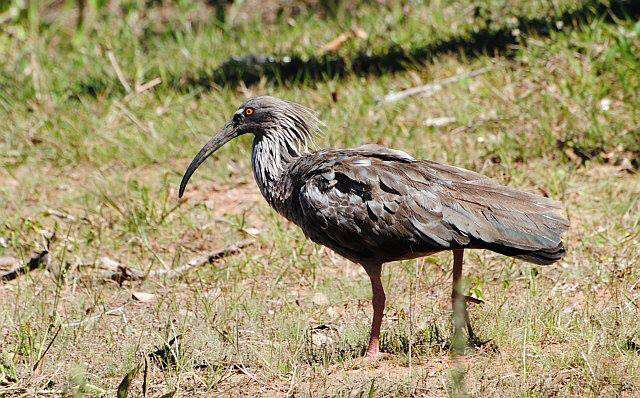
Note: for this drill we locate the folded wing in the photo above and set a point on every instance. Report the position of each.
(377, 204)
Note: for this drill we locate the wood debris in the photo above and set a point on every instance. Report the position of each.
(167, 355)
(206, 259)
(335, 44)
(113, 311)
(40, 260)
(118, 70)
(118, 272)
(8, 262)
(438, 121)
(143, 297)
(432, 88)
(59, 214)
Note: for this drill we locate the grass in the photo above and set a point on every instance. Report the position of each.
(558, 114)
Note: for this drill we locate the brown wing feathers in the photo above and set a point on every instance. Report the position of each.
(398, 205)
(497, 217)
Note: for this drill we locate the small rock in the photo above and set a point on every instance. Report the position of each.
(7, 262)
(252, 231)
(118, 272)
(59, 214)
(321, 339)
(143, 296)
(605, 104)
(438, 121)
(108, 263)
(320, 299)
(626, 165)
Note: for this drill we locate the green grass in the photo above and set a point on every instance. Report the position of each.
(559, 114)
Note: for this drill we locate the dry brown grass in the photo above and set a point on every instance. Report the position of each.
(558, 115)
(246, 322)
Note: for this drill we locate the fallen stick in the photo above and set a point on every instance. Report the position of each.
(336, 43)
(40, 260)
(28, 391)
(432, 88)
(119, 73)
(113, 311)
(118, 272)
(207, 259)
(474, 124)
(135, 120)
(46, 350)
(148, 85)
(141, 88)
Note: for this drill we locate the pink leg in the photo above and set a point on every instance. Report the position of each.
(378, 301)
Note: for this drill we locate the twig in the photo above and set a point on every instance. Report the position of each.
(135, 120)
(39, 361)
(143, 87)
(432, 88)
(145, 374)
(174, 208)
(207, 259)
(113, 311)
(118, 272)
(28, 391)
(336, 43)
(59, 214)
(246, 372)
(121, 273)
(474, 124)
(36, 262)
(148, 85)
(116, 68)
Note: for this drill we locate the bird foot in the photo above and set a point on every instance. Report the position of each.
(372, 353)
(470, 299)
(475, 342)
(368, 361)
(373, 349)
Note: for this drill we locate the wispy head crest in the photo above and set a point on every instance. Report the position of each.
(295, 123)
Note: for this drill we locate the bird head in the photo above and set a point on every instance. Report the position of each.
(264, 117)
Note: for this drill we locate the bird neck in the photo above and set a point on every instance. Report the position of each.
(271, 157)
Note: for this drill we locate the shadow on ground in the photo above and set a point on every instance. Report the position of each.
(491, 39)
(325, 345)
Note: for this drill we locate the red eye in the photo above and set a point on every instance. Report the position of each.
(248, 111)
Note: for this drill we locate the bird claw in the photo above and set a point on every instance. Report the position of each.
(372, 354)
(471, 299)
(475, 342)
(367, 361)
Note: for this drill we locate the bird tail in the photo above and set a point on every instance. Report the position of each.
(544, 256)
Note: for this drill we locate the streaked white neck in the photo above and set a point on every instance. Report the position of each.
(270, 158)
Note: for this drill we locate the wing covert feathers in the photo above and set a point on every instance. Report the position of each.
(376, 203)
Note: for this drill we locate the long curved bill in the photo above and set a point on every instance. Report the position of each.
(225, 135)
